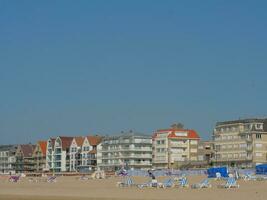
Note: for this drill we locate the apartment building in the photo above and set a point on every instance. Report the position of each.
(130, 150)
(24, 158)
(75, 153)
(50, 154)
(8, 159)
(241, 143)
(174, 147)
(205, 153)
(89, 153)
(61, 154)
(39, 156)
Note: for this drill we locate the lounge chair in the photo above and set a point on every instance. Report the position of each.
(168, 183)
(52, 179)
(127, 182)
(14, 179)
(250, 177)
(203, 184)
(218, 176)
(83, 178)
(183, 182)
(230, 183)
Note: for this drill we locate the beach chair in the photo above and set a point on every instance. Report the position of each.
(230, 183)
(127, 182)
(183, 182)
(168, 183)
(52, 179)
(83, 178)
(203, 184)
(14, 179)
(218, 176)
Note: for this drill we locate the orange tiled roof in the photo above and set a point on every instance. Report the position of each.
(92, 151)
(94, 140)
(43, 145)
(79, 140)
(191, 134)
(66, 142)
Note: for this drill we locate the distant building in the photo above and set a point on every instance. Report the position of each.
(175, 147)
(75, 153)
(39, 156)
(50, 154)
(129, 150)
(205, 153)
(61, 154)
(241, 143)
(8, 159)
(89, 153)
(58, 154)
(24, 158)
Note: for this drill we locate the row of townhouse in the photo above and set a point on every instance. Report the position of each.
(241, 143)
(167, 148)
(72, 154)
(22, 158)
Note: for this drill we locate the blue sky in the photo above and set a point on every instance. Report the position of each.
(79, 67)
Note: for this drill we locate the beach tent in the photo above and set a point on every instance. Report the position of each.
(222, 170)
(261, 169)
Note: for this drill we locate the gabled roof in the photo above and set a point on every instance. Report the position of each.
(52, 141)
(65, 141)
(43, 146)
(27, 149)
(79, 140)
(92, 151)
(191, 134)
(94, 140)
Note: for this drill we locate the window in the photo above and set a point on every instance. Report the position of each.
(258, 154)
(258, 136)
(258, 145)
(193, 142)
(258, 126)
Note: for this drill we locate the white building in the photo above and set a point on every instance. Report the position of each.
(58, 157)
(130, 150)
(75, 153)
(89, 153)
(7, 159)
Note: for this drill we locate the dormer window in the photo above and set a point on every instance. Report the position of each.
(259, 126)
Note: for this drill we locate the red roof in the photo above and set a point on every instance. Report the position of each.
(65, 142)
(94, 140)
(191, 134)
(43, 145)
(92, 151)
(79, 140)
(27, 149)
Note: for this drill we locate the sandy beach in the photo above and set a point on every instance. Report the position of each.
(70, 188)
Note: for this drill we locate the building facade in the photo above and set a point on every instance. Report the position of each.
(241, 143)
(174, 148)
(61, 154)
(75, 153)
(39, 156)
(8, 159)
(24, 158)
(50, 154)
(205, 153)
(89, 153)
(129, 150)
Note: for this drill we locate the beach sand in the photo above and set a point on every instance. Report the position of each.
(69, 188)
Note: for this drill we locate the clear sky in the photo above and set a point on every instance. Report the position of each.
(79, 67)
